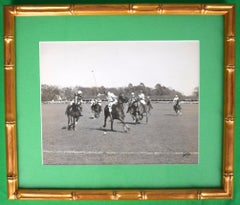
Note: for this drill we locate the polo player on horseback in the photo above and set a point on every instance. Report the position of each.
(176, 105)
(132, 100)
(74, 110)
(96, 107)
(77, 100)
(138, 107)
(115, 109)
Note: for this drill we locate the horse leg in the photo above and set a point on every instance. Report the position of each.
(149, 109)
(133, 115)
(111, 119)
(111, 124)
(146, 117)
(134, 118)
(174, 108)
(77, 118)
(105, 120)
(145, 111)
(125, 126)
(140, 111)
(106, 114)
(74, 123)
(69, 122)
(179, 110)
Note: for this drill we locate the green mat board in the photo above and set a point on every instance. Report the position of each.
(32, 174)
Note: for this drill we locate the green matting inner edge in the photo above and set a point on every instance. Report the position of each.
(207, 29)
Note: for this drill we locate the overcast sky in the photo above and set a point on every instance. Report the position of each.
(174, 64)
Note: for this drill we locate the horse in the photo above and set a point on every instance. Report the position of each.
(133, 110)
(117, 112)
(138, 110)
(142, 111)
(73, 113)
(96, 109)
(177, 108)
(148, 106)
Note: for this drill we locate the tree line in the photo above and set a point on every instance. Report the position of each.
(159, 92)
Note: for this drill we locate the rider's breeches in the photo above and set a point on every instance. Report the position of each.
(143, 102)
(110, 104)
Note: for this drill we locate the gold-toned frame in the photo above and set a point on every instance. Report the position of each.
(224, 192)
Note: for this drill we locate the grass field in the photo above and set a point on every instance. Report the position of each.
(165, 139)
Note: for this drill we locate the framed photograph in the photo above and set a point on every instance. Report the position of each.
(144, 114)
(120, 101)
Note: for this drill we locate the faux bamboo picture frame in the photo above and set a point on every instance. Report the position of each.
(224, 192)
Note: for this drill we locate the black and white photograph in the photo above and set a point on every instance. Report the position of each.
(119, 102)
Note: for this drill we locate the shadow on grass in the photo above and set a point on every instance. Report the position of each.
(107, 130)
(172, 115)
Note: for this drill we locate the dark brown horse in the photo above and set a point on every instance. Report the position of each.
(73, 113)
(138, 111)
(96, 109)
(117, 112)
(134, 112)
(177, 108)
